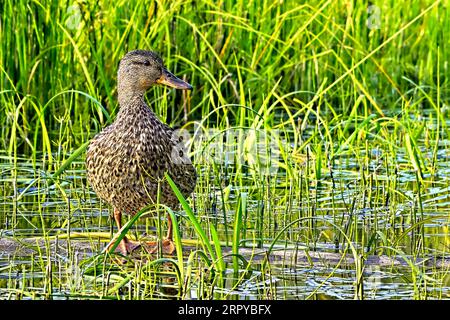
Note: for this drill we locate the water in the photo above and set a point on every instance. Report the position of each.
(367, 201)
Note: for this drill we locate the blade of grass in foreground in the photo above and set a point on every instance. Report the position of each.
(237, 230)
(217, 246)
(205, 241)
(177, 240)
(69, 160)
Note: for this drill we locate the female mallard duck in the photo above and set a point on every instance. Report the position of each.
(126, 161)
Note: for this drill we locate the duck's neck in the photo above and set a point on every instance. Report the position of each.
(131, 101)
(129, 95)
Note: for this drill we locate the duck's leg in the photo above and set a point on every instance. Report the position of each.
(126, 245)
(168, 246)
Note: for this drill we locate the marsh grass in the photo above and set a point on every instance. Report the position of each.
(363, 164)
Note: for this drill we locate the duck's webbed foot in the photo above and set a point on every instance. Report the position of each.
(168, 246)
(125, 247)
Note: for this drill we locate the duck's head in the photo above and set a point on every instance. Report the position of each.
(141, 69)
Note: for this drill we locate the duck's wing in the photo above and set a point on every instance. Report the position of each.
(181, 169)
(164, 150)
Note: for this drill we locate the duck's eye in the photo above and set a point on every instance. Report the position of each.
(146, 63)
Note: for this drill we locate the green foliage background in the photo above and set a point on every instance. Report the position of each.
(278, 48)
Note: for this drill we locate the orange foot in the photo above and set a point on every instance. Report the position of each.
(168, 247)
(125, 247)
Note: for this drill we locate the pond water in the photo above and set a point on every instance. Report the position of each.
(372, 201)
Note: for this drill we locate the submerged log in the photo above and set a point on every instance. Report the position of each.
(11, 247)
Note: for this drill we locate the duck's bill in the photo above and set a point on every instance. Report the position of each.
(170, 80)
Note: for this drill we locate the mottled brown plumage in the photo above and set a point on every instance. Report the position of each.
(126, 162)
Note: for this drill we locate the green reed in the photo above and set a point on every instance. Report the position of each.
(372, 99)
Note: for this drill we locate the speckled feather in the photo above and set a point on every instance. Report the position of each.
(127, 159)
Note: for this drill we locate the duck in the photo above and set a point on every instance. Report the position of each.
(126, 162)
